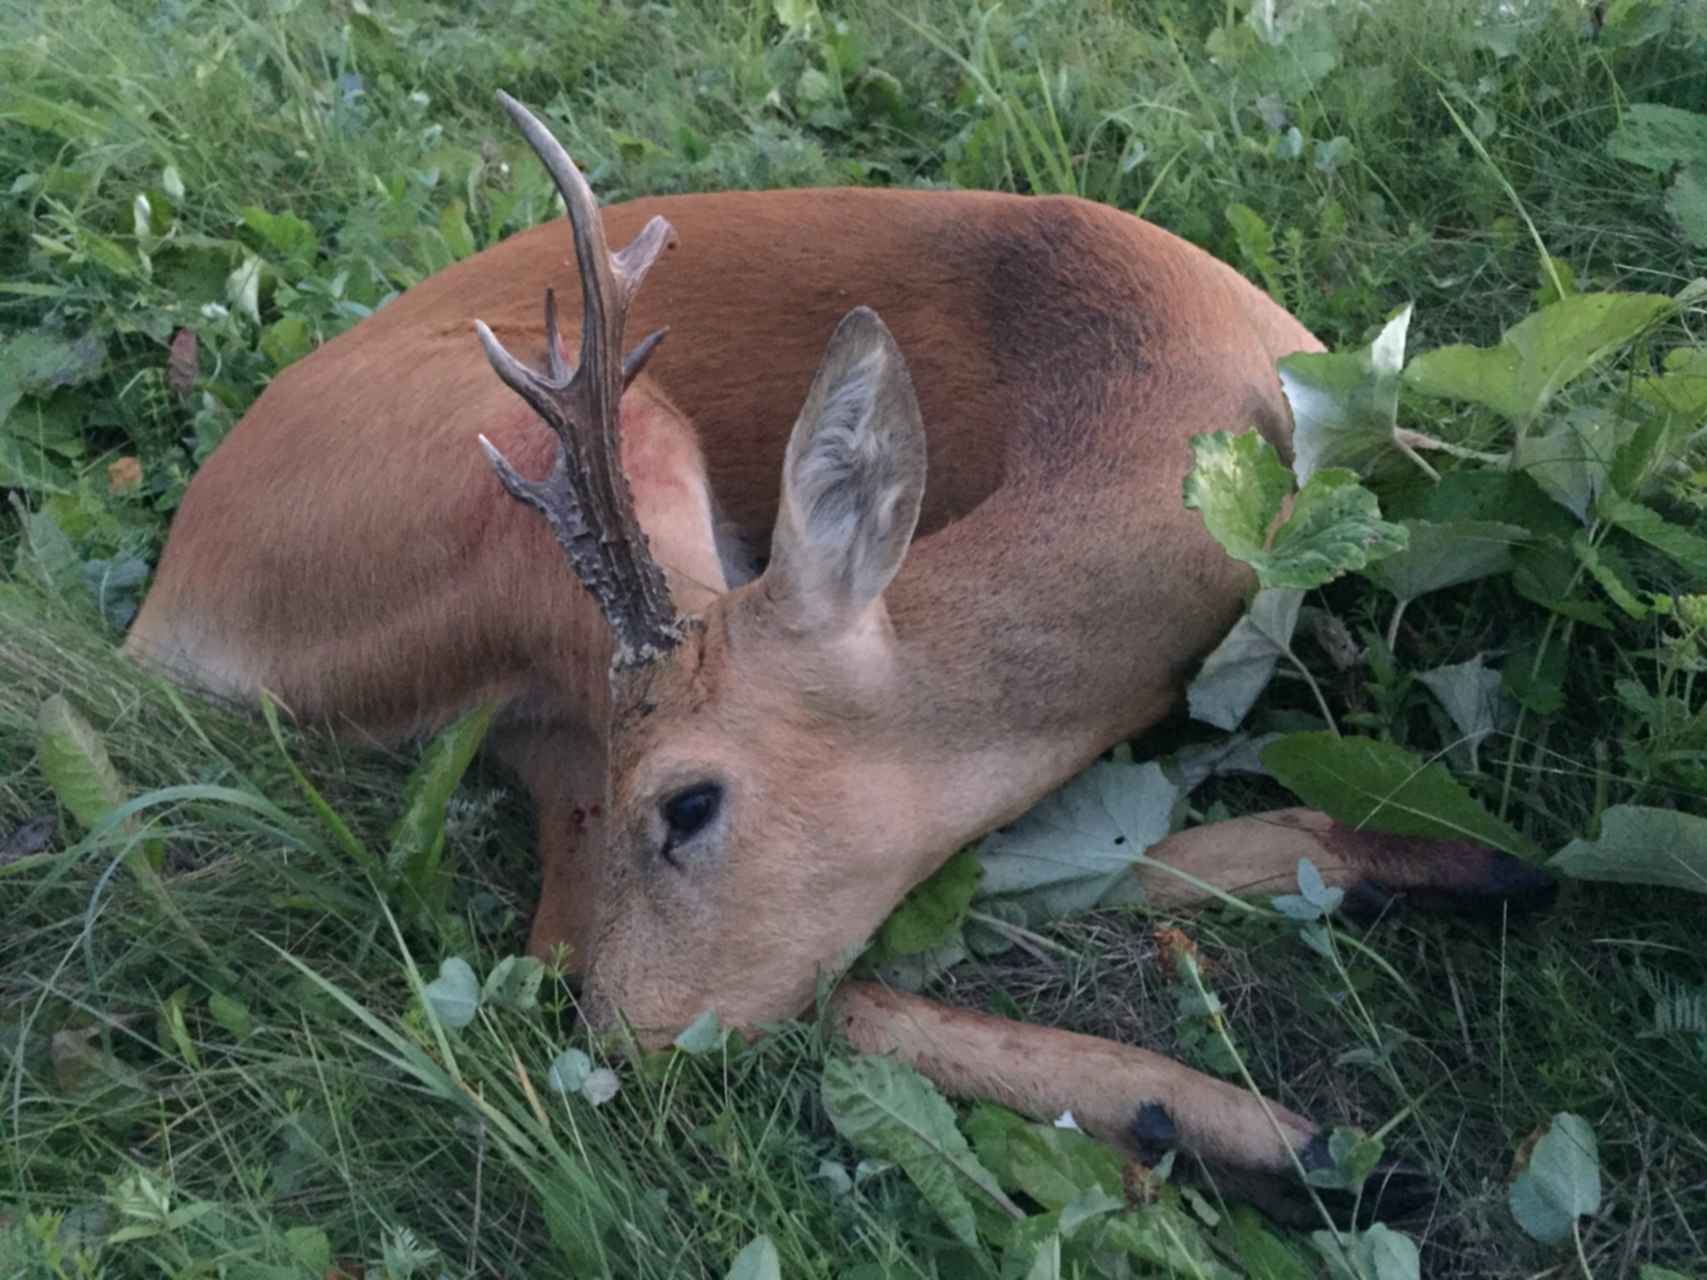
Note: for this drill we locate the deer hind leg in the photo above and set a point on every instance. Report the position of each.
(1259, 854)
(563, 768)
(1137, 1101)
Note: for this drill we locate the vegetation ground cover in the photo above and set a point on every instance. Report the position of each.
(218, 1054)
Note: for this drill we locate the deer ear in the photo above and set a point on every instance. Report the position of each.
(851, 482)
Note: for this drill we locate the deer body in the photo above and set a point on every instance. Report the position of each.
(864, 668)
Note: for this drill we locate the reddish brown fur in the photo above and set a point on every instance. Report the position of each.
(349, 549)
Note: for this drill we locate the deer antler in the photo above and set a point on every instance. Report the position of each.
(586, 499)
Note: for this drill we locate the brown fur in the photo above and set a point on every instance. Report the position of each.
(348, 549)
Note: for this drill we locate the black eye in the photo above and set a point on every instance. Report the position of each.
(687, 812)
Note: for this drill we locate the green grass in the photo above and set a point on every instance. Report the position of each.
(181, 1095)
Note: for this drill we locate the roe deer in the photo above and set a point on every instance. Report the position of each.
(755, 714)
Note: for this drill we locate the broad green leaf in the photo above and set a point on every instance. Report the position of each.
(1441, 555)
(1658, 138)
(1335, 527)
(1052, 1165)
(1076, 845)
(1572, 461)
(1539, 355)
(514, 984)
(288, 236)
(286, 341)
(1252, 1239)
(1687, 202)
(454, 995)
(1089, 1205)
(758, 1261)
(934, 910)
(453, 226)
(1688, 549)
(1240, 485)
(1345, 404)
(1047, 1264)
(884, 1107)
(795, 15)
(703, 1035)
(1165, 1237)
(75, 762)
(1641, 845)
(1680, 388)
(38, 362)
(1365, 783)
(1470, 693)
(310, 1248)
(1235, 674)
(1378, 1253)
(1560, 1183)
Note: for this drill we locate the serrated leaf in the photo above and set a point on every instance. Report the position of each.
(1561, 1182)
(883, 1106)
(1235, 674)
(1345, 404)
(514, 984)
(930, 915)
(1089, 1205)
(75, 762)
(1658, 138)
(288, 236)
(1239, 484)
(704, 1034)
(1639, 521)
(1165, 1237)
(1079, 842)
(1365, 783)
(569, 1071)
(1441, 555)
(1607, 567)
(1538, 355)
(1639, 844)
(758, 1261)
(1335, 527)
(1680, 388)
(454, 996)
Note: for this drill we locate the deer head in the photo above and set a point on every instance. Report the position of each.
(760, 816)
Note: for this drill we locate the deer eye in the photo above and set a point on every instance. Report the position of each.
(688, 812)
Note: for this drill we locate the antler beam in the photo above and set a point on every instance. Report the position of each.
(586, 499)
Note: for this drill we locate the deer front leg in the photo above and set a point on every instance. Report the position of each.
(1135, 1100)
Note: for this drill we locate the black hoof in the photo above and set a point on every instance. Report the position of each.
(1154, 1132)
(1396, 1189)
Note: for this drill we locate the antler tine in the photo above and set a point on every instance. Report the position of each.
(586, 498)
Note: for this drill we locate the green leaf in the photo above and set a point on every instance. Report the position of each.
(454, 996)
(75, 762)
(287, 235)
(1607, 567)
(1256, 243)
(1469, 692)
(286, 340)
(1235, 674)
(1658, 138)
(232, 1014)
(1687, 202)
(1539, 355)
(453, 226)
(758, 1261)
(1688, 549)
(1437, 555)
(1079, 843)
(1641, 845)
(886, 1108)
(934, 910)
(1379, 1253)
(1681, 389)
(39, 362)
(1345, 404)
(1335, 527)
(514, 984)
(1561, 1182)
(1365, 783)
(569, 1071)
(704, 1034)
(1239, 484)
(1250, 1238)
(1573, 461)
(418, 839)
